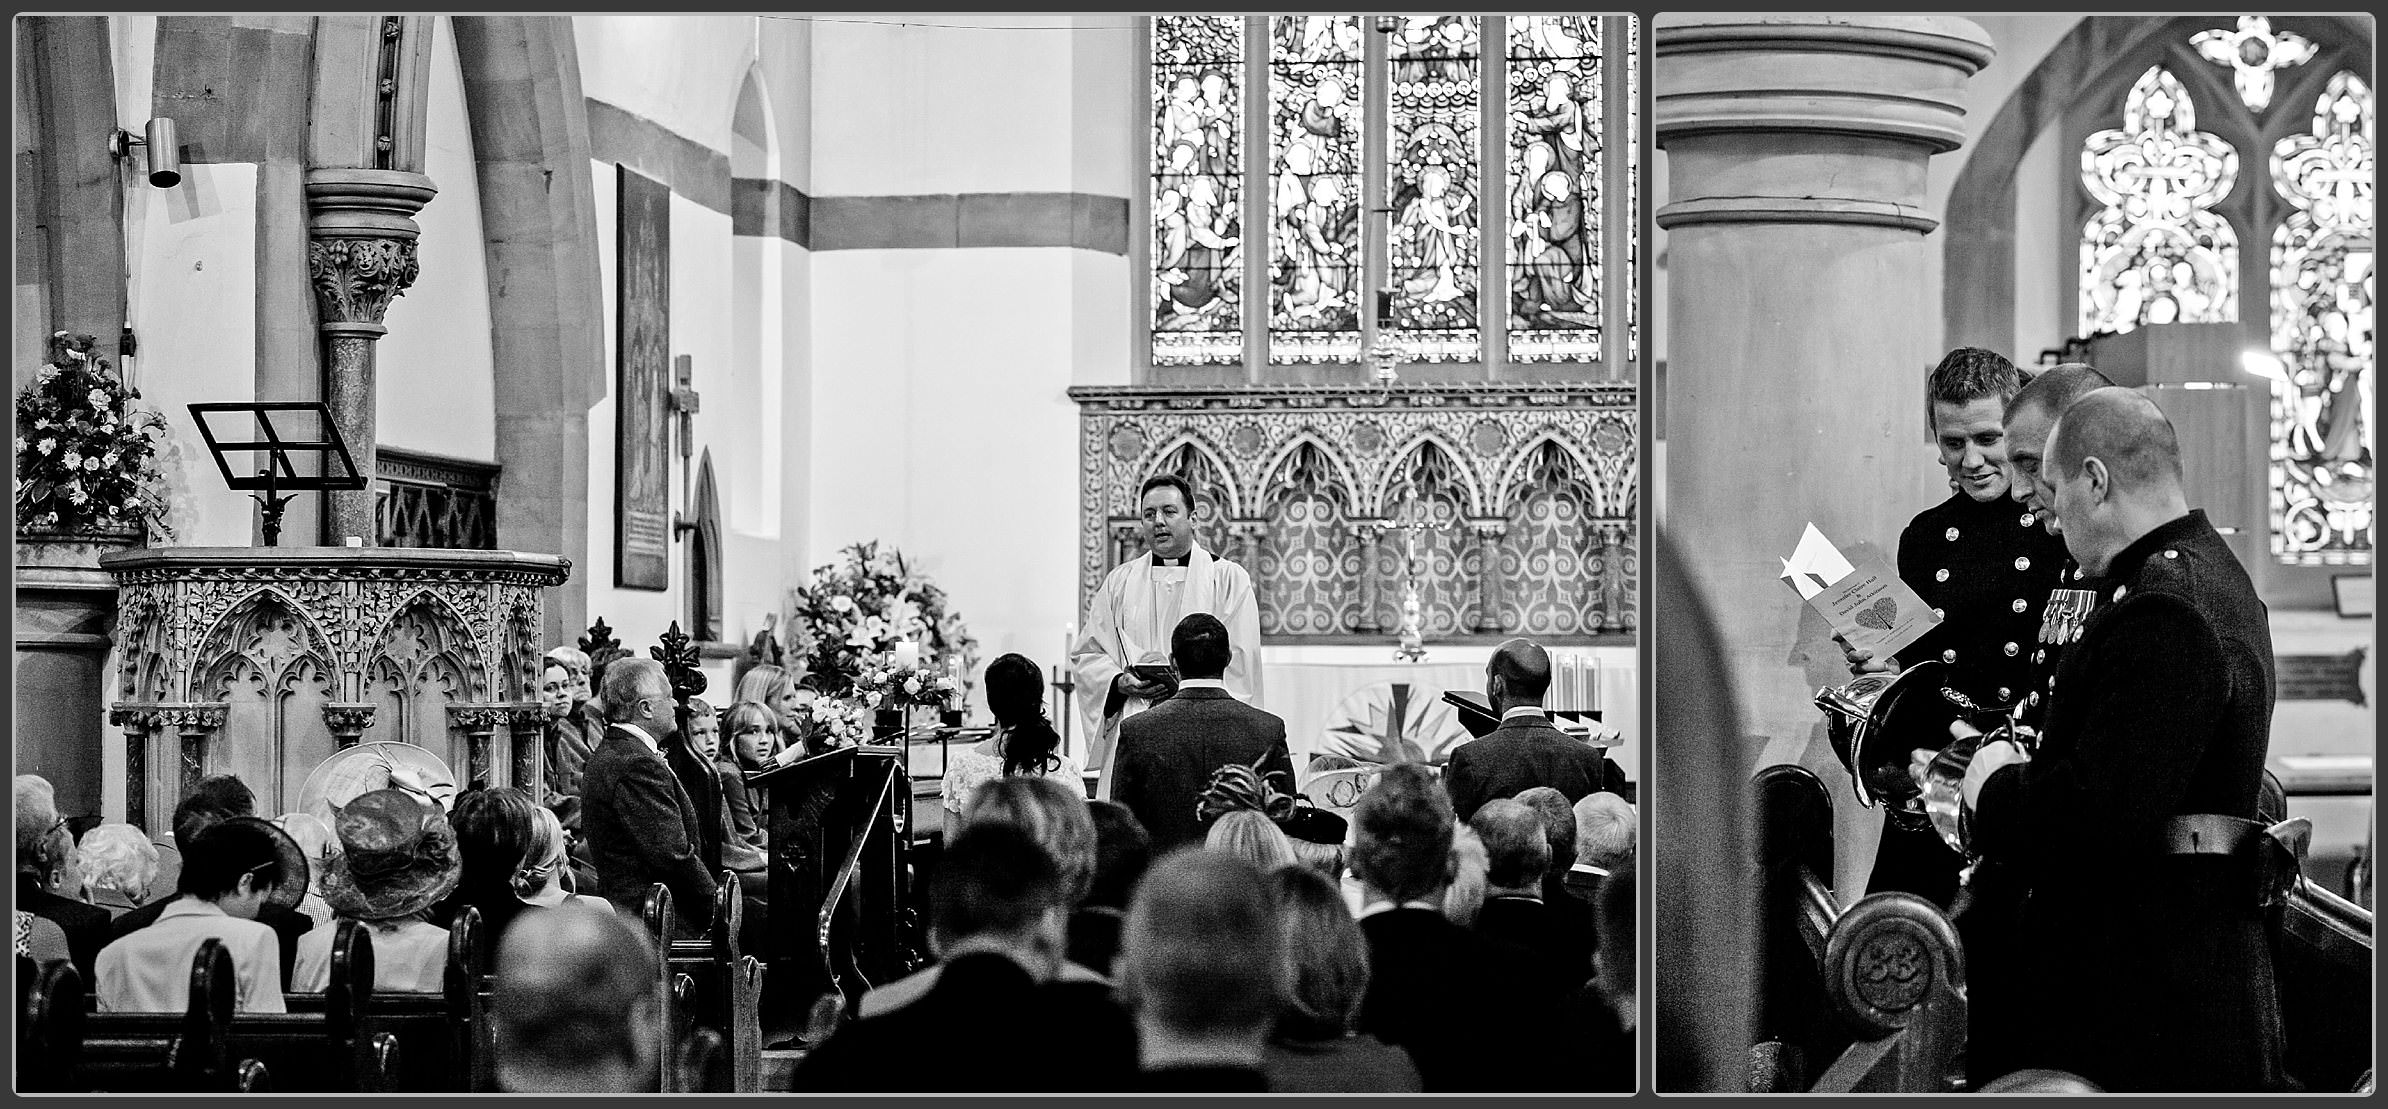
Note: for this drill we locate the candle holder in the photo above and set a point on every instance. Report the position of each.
(1064, 687)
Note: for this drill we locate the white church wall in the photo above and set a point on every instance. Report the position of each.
(2041, 314)
(436, 388)
(942, 425)
(681, 71)
(193, 302)
(974, 104)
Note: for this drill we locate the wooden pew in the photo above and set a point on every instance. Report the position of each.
(2322, 960)
(1879, 990)
(50, 1005)
(443, 1038)
(725, 985)
(189, 1052)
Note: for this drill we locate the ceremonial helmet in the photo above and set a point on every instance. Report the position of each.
(1876, 720)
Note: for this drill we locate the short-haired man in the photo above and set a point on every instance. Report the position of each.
(1526, 750)
(1986, 567)
(641, 826)
(1516, 853)
(1136, 612)
(229, 869)
(1568, 908)
(1198, 966)
(575, 1007)
(1455, 999)
(1168, 754)
(997, 920)
(214, 799)
(2136, 825)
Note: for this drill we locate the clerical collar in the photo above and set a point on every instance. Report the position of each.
(1185, 559)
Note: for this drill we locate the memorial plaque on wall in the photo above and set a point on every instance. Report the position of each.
(642, 384)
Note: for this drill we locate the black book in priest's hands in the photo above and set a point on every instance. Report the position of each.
(1160, 672)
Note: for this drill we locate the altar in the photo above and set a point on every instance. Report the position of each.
(1360, 701)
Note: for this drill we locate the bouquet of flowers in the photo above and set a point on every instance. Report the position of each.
(851, 613)
(886, 686)
(837, 722)
(86, 461)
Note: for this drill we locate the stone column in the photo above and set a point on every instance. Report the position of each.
(347, 721)
(478, 723)
(194, 723)
(1488, 532)
(1367, 533)
(1797, 148)
(1609, 607)
(138, 724)
(524, 728)
(360, 255)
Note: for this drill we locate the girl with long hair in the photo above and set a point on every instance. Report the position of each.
(1024, 743)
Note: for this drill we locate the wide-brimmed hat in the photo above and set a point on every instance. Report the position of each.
(291, 887)
(398, 856)
(1243, 786)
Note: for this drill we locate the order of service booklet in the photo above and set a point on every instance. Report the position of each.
(1858, 593)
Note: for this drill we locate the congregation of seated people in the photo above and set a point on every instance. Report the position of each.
(1278, 947)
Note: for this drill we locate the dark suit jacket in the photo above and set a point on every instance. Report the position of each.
(2162, 708)
(1522, 753)
(642, 829)
(1020, 1037)
(288, 926)
(1542, 929)
(1456, 999)
(1168, 752)
(87, 927)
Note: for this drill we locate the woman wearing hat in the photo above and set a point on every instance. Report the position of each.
(1250, 817)
(398, 857)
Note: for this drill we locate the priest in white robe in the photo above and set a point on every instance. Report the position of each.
(1138, 607)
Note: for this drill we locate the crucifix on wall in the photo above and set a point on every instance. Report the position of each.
(684, 402)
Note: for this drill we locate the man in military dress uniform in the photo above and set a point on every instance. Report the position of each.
(1985, 567)
(2135, 823)
(1987, 910)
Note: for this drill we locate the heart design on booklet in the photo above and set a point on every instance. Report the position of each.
(1879, 615)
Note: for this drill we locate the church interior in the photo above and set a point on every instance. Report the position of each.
(384, 380)
(2184, 203)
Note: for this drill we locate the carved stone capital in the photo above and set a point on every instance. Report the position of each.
(347, 721)
(480, 717)
(190, 719)
(355, 280)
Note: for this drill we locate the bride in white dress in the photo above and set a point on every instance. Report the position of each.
(1024, 742)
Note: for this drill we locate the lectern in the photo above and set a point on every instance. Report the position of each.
(842, 921)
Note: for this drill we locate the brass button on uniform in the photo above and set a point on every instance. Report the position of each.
(1949, 656)
(2020, 604)
(2027, 519)
(2172, 554)
(2023, 564)
(1950, 535)
(2011, 649)
(1940, 575)
(2120, 590)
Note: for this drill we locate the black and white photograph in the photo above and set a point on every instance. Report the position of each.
(859, 553)
(2012, 419)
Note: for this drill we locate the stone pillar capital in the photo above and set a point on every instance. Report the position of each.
(1802, 118)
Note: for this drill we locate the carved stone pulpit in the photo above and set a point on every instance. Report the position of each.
(263, 661)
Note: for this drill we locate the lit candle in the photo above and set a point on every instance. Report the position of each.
(1069, 642)
(907, 654)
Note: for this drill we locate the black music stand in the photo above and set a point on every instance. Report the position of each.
(278, 481)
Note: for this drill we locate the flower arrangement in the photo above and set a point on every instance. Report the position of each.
(851, 613)
(86, 461)
(892, 686)
(836, 722)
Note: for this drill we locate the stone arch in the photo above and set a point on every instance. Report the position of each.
(1470, 484)
(1515, 475)
(1229, 496)
(1338, 467)
(1978, 237)
(70, 206)
(530, 133)
(421, 660)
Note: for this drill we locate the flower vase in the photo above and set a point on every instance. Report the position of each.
(887, 726)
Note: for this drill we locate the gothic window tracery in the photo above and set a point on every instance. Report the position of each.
(1307, 556)
(2158, 252)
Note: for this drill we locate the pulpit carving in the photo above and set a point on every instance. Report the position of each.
(298, 652)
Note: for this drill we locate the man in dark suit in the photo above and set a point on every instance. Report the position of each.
(213, 800)
(2135, 823)
(1168, 753)
(997, 917)
(1198, 965)
(1525, 751)
(641, 827)
(1573, 912)
(1473, 1011)
(1517, 854)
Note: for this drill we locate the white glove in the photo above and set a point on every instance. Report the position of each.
(1986, 762)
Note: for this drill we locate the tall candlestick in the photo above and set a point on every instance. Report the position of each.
(1069, 642)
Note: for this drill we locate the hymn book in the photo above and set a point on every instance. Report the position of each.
(1858, 593)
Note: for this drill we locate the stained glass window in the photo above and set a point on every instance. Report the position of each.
(1315, 95)
(1436, 170)
(2253, 53)
(1554, 200)
(2157, 252)
(1197, 172)
(2322, 274)
(1633, 190)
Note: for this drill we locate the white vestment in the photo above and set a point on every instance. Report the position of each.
(1134, 613)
